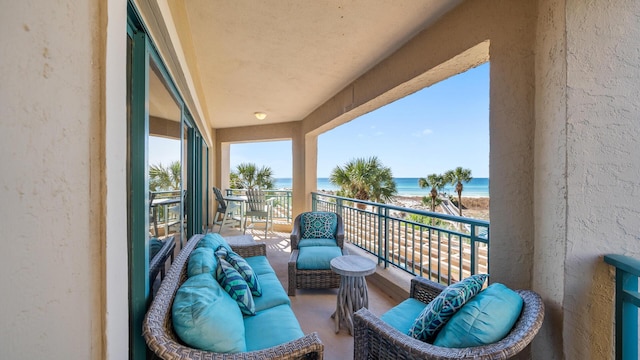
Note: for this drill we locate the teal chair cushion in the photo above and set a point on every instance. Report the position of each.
(259, 264)
(483, 320)
(317, 257)
(213, 241)
(201, 261)
(235, 285)
(205, 317)
(318, 225)
(317, 242)
(436, 314)
(273, 293)
(402, 316)
(271, 327)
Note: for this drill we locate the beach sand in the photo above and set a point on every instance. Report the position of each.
(473, 207)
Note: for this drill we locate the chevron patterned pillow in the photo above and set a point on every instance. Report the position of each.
(442, 308)
(234, 284)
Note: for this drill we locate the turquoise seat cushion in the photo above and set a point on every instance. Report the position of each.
(235, 285)
(259, 264)
(273, 293)
(201, 261)
(205, 317)
(213, 241)
(239, 263)
(402, 316)
(317, 257)
(436, 314)
(483, 320)
(317, 242)
(318, 225)
(271, 327)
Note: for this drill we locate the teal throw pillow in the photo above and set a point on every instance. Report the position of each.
(241, 265)
(205, 317)
(483, 320)
(201, 261)
(436, 314)
(318, 225)
(154, 247)
(213, 241)
(235, 285)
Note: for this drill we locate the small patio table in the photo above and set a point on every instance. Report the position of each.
(353, 293)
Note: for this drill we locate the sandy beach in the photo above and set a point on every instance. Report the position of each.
(473, 207)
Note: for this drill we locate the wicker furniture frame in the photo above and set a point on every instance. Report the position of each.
(162, 340)
(312, 279)
(375, 339)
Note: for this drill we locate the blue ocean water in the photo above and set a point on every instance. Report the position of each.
(477, 187)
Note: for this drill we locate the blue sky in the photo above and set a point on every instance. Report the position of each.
(431, 131)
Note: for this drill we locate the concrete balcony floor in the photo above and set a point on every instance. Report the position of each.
(313, 308)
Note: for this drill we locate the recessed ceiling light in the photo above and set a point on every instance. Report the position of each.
(260, 115)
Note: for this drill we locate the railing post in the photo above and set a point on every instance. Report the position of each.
(314, 202)
(473, 250)
(383, 243)
(627, 301)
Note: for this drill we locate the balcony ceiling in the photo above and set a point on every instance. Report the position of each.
(287, 57)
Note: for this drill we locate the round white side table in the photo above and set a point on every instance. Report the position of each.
(352, 294)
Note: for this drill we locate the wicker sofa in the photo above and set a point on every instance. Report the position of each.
(376, 339)
(162, 340)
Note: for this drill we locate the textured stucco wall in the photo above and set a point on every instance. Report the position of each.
(51, 212)
(550, 174)
(603, 165)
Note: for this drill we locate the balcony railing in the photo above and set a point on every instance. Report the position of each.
(627, 304)
(281, 204)
(439, 247)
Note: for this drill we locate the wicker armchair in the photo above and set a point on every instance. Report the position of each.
(162, 340)
(311, 279)
(375, 339)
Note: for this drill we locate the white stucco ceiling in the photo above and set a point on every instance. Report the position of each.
(287, 57)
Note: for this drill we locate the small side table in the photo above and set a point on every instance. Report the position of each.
(352, 294)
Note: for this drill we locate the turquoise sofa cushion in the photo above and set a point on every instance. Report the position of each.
(271, 327)
(317, 242)
(205, 317)
(318, 225)
(201, 261)
(273, 293)
(317, 257)
(213, 241)
(259, 264)
(436, 314)
(233, 283)
(483, 320)
(402, 316)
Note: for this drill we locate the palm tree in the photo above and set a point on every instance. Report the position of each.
(165, 178)
(437, 183)
(249, 176)
(364, 179)
(456, 177)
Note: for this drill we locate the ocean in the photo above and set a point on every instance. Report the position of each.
(477, 187)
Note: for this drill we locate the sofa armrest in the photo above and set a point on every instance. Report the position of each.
(249, 250)
(340, 232)
(424, 290)
(295, 233)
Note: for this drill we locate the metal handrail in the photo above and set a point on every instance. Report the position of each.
(440, 247)
(627, 304)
